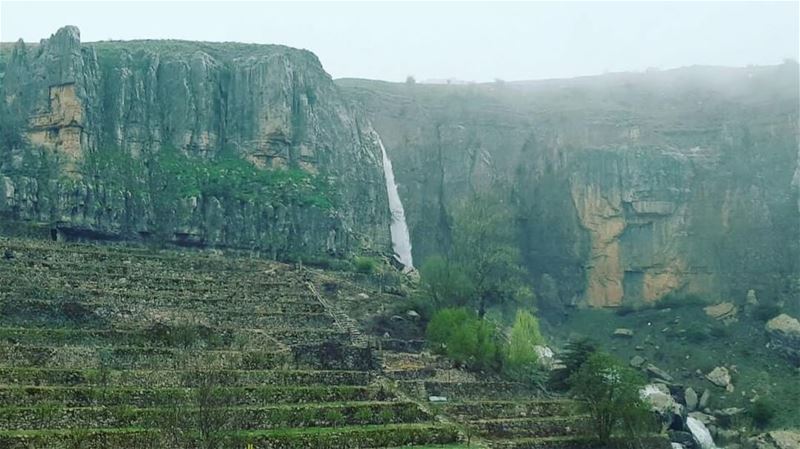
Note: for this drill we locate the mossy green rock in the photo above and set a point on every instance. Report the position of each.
(197, 144)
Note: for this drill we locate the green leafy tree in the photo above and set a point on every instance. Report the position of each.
(484, 250)
(609, 395)
(574, 355)
(464, 338)
(444, 282)
(522, 361)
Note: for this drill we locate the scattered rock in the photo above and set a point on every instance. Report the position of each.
(624, 333)
(778, 439)
(545, 356)
(704, 399)
(784, 333)
(637, 361)
(363, 296)
(720, 377)
(690, 396)
(681, 438)
(8, 254)
(704, 418)
(660, 401)
(658, 372)
(752, 299)
(725, 311)
(728, 412)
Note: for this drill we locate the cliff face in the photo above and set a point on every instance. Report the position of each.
(627, 187)
(225, 145)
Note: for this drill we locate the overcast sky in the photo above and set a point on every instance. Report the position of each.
(469, 41)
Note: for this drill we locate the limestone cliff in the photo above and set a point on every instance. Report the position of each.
(206, 144)
(627, 186)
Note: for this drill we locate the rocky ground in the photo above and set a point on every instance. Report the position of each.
(712, 362)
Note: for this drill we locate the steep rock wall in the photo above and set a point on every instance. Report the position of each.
(206, 144)
(627, 186)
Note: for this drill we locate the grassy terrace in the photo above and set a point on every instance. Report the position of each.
(114, 347)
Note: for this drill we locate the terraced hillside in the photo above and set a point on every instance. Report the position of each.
(105, 347)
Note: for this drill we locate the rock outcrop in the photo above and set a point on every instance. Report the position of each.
(784, 332)
(627, 187)
(203, 144)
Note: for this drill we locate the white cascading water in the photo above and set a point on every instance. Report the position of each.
(401, 242)
(700, 433)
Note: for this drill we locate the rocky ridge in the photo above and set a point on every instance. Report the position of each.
(200, 144)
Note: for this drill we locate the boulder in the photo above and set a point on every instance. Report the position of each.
(752, 299)
(704, 399)
(690, 397)
(728, 412)
(727, 436)
(623, 333)
(545, 356)
(660, 401)
(658, 373)
(725, 311)
(412, 314)
(778, 439)
(720, 377)
(704, 418)
(637, 361)
(784, 333)
(681, 438)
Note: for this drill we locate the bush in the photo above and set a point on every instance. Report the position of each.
(609, 395)
(766, 311)
(697, 335)
(464, 338)
(521, 358)
(674, 301)
(575, 354)
(762, 412)
(366, 265)
(444, 282)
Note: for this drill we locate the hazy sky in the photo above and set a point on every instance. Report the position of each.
(470, 41)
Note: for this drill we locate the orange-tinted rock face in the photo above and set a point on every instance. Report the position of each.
(60, 129)
(628, 187)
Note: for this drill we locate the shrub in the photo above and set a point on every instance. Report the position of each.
(766, 311)
(609, 395)
(674, 301)
(575, 354)
(366, 265)
(334, 417)
(697, 335)
(386, 416)
(363, 416)
(762, 412)
(625, 310)
(464, 338)
(444, 283)
(521, 358)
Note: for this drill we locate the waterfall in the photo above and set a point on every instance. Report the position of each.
(401, 242)
(700, 433)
